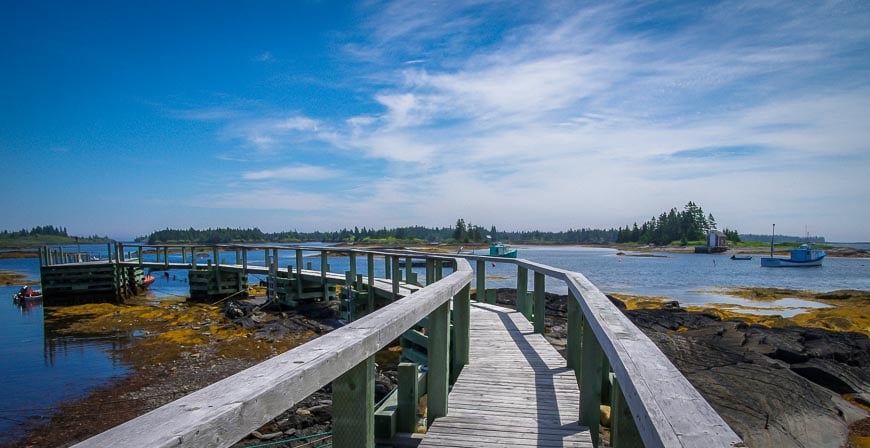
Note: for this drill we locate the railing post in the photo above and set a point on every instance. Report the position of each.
(480, 292)
(406, 409)
(397, 277)
(324, 267)
(139, 254)
(623, 431)
(575, 331)
(439, 362)
(430, 271)
(540, 303)
(216, 272)
(299, 274)
(192, 256)
(409, 269)
(461, 331)
(590, 382)
(388, 270)
(370, 265)
(439, 270)
(245, 261)
(524, 306)
(352, 262)
(353, 398)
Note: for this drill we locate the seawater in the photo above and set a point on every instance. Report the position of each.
(42, 369)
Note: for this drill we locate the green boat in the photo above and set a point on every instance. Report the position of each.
(500, 250)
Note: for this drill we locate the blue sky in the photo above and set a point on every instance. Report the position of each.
(121, 118)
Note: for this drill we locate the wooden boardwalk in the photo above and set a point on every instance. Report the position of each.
(516, 390)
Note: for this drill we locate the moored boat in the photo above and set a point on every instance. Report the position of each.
(26, 293)
(741, 257)
(147, 281)
(500, 250)
(803, 256)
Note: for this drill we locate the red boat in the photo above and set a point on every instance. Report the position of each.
(147, 281)
(27, 293)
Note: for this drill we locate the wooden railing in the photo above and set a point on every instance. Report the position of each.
(225, 412)
(652, 403)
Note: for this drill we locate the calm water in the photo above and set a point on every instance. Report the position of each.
(41, 369)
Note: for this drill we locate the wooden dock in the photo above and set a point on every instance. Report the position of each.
(515, 391)
(510, 387)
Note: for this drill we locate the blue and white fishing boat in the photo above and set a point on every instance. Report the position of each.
(803, 256)
(500, 250)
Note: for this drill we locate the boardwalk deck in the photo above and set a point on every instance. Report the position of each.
(516, 390)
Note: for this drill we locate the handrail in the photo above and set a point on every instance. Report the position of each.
(226, 411)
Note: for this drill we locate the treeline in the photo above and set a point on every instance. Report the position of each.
(357, 234)
(35, 231)
(754, 238)
(690, 224)
(462, 233)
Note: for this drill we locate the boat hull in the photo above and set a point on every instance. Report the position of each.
(769, 262)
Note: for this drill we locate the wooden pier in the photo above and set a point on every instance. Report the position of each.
(509, 387)
(515, 391)
(75, 277)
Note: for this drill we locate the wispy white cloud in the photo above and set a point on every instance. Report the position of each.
(573, 114)
(297, 173)
(264, 57)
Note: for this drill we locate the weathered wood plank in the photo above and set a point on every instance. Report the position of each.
(515, 390)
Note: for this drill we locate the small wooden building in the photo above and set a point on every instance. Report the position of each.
(716, 242)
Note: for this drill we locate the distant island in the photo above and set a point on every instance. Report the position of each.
(41, 235)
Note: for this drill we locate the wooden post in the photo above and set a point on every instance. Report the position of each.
(439, 362)
(193, 257)
(166, 257)
(370, 264)
(139, 254)
(439, 269)
(430, 271)
(623, 430)
(298, 274)
(575, 331)
(461, 331)
(245, 261)
(217, 268)
(353, 271)
(540, 303)
(397, 277)
(353, 398)
(108, 251)
(480, 292)
(590, 383)
(523, 304)
(406, 409)
(388, 270)
(409, 269)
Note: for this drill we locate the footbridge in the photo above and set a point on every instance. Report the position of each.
(490, 379)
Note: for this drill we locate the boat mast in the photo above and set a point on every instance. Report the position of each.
(771, 240)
